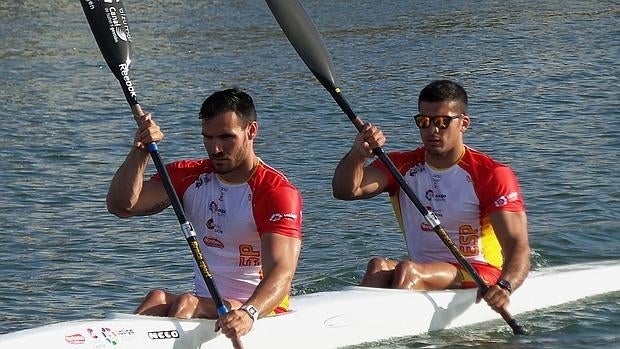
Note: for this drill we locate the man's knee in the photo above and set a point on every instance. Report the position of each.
(409, 270)
(377, 264)
(185, 299)
(157, 296)
(155, 303)
(407, 267)
(184, 306)
(407, 276)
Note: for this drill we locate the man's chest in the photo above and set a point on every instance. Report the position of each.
(222, 211)
(449, 194)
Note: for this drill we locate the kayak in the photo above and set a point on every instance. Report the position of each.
(331, 319)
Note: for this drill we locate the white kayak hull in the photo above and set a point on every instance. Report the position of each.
(327, 319)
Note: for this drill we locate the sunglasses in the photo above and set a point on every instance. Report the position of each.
(439, 121)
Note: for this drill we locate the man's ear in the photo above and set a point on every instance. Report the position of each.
(252, 130)
(465, 122)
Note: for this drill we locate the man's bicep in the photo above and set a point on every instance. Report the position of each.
(373, 183)
(153, 198)
(510, 228)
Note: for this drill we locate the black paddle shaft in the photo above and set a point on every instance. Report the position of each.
(109, 25)
(307, 41)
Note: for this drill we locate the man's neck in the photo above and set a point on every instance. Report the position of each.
(242, 173)
(445, 160)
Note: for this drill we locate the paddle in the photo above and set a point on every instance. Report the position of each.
(108, 23)
(307, 41)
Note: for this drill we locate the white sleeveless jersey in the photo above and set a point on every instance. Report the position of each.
(462, 197)
(229, 220)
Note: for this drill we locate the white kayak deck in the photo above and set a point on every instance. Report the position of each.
(328, 319)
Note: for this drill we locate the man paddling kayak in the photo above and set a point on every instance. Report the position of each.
(246, 214)
(477, 199)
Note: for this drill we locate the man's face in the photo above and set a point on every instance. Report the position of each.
(227, 142)
(438, 140)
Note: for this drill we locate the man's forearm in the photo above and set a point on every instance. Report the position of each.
(269, 293)
(517, 266)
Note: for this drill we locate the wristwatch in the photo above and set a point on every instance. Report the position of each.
(503, 283)
(251, 310)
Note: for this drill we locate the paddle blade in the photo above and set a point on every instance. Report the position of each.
(108, 23)
(305, 38)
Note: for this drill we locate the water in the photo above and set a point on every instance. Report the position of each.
(543, 83)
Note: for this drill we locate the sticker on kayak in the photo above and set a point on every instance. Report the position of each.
(164, 334)
(75, 339)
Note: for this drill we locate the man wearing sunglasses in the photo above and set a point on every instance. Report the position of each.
(476, 198)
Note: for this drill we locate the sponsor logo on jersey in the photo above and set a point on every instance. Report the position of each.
(212, 242)
(276, 217)
(505, 199)
(211, 226)
(429, 195)
(202, 179)
(214, 208)
(222, 193)
(440, 197)
(426, 227)
(416, 169)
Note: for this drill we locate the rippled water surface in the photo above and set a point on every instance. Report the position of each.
(543, 83)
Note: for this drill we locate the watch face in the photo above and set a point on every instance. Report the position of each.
(250, 309)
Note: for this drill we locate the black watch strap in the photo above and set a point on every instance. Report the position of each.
(505, 284)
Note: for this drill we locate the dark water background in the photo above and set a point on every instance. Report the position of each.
(543, 84)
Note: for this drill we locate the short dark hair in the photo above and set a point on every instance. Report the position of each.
(232, 99)
(444, 91)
